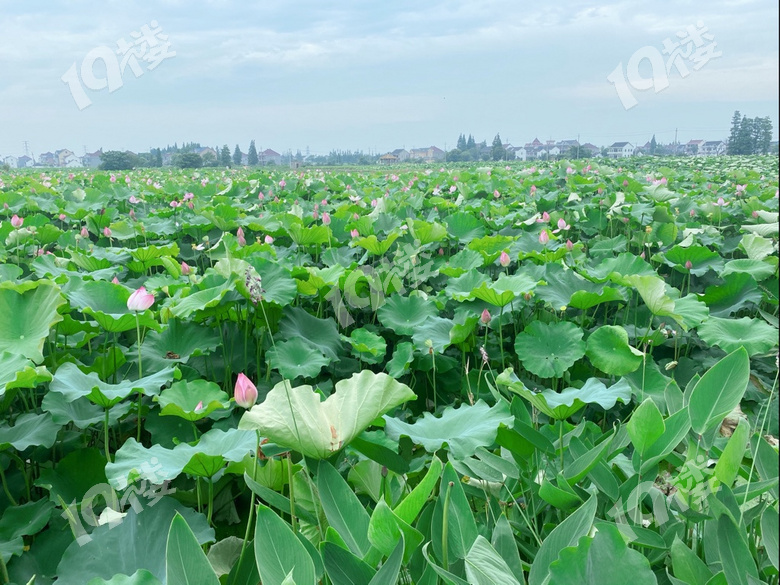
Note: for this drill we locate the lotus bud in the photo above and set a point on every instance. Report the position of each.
(140, 300)
(485, 317)
(245, 392)
(504, 259)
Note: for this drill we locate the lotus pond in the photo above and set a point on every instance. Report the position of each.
(548, 375)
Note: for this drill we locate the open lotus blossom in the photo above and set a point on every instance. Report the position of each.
(504, 259)
(185, 269)
(720, 202)
(485, 317)
(17, 221)
(354, 234)
(562, 225)
(374, 203)
(268, 240)
(188, 196)
(741, 188)
(453, 189)
(107, 231)
(240, 237)
(175, 204)
(326, 218)
(544, 219)
(140, 300)
(544, 237)
(245, 392)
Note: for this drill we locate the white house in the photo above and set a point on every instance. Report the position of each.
(11, 161)
(713, 148)
(620, 150)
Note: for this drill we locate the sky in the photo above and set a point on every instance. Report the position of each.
(375, 76)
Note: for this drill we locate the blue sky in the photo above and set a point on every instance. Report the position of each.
(370, 75)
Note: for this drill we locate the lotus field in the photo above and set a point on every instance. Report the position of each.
(552, 375)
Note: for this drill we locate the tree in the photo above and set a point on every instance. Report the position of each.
(115, 160)
(745, 136)
(470, 143)
(765, 136)
(209, 160)
(497, 149)
(224, 156)
(158, 160)
(733, 142)
(251, 157)
(461, 142)
(237, 156)
(653, 145)
(188, 160)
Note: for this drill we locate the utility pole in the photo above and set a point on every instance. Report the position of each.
(578, 145)
(26, 147)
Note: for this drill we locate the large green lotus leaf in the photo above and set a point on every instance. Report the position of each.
(177, 342)
(402, 358)
(618, 268)
(691, 311)
(70, 381)
(757, 247)
(50, 266)
(367, 346)
(18, 521)
(278, 286)
(322, 334)
(80, 411)
(106, 302)
(17, 371)
(404, 315)
(134, 462)
(296, 358)
(461, 262)
(758, 269)
(561, 405)
(183, 397)
(209, 294)
(491, 246)
(461, 288)
(29, 430)
(140, 577)
(309, 236)
(549, 349)
(562, 285)
(27, 312)
(739, 289)
(148, 253)
(504, 290)
(427, 232)
(755, 335)
(610, 352)
(464, 227)
(604, 559)
(462, 429)
(652, 289)
(137, 542)
(434, 333)
(74, 476)
(299, 419)
(374, 246)
(702, 259)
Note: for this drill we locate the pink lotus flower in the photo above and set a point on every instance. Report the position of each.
(240, 237)
(132, 214)
(544, 237)
(441, 251)
(204, 182)
(282, 183)
(133, 199)
(562, 225)
(453, 189)
(355, 216)
(315, 214)
(720, 202)
(692, 213)
(140, 300)
(185, 269)
(625, 182)
(107, 232)
(174, 204)
(688, 264)
(199, 406)
(354, 234)
(70, 176)
(84, 232)
(754, 213)
(600, 190)
(496, 194)
(544, 219)
(485, 317)
(326, 218)
(17, 221)
(324, 201)
(374, 203)
(268, 240)
(188, 196)
(569, 245)
(504, 259)
(63, 217)
(569, 171)
(245, 392)
(112, 178)
(741, 188)
(115, 280)
(260, 196)
(127, 180)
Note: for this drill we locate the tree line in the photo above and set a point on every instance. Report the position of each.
(749, 135)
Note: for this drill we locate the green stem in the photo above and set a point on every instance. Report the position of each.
(5, 488)
(292, 491)
(140, 375)
(211, 501)
(501, 336)
(560, 442)
(105, 436)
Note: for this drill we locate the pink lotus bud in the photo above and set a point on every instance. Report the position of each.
(115, 280)
(199, 406)
(107, 232)
(316, 205)
(140, 300)
(544, 237)
(441, 251)
(240, 237)
(504, 259)
(354, 234)
(315, 215)
(688, 264)
(268, 240)
(282, 183)
(326, 218)
(245, 392)
(112, 178)
(260, 196)
(188, 196)
(17, 221)
(374, 203)
(569, 171)
(127, 180)
(625, 182)
(527, 296)
(496, 194)
(642, 255)
(754, 213)
(84, 232)
(70, 176)
(355, 216)
(190, 205)
(132, 214)
(185, 269)
(569, 245)
(174, 204)
(600, 190)
(485, 317)
(63, 217)
(545, 216)
(133, 199)
(562, 225)
(692, 213)
(324, 201)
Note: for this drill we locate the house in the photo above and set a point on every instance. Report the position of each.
(509, 151)
(430, 154)
(208, 151)
(47, 159)
(519, 152)
(92, 159)
(24, 161)
(269, 157)
(564, 146)
(388, 159)
(533, 149)
(713, 148)
(594, 150)
(693, 147)
(167, 158)
(401, 153)
(66, 158)
(620, 150)
(11, 161)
